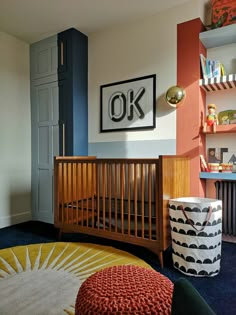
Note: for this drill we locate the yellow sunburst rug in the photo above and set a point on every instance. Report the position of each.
(44, 279)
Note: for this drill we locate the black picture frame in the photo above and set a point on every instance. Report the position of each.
(128, 105)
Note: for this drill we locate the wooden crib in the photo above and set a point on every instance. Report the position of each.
(119, 199)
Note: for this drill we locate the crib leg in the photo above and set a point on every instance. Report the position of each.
(59, 234)
(160, 254)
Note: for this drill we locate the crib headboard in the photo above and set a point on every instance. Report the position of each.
(174, 182)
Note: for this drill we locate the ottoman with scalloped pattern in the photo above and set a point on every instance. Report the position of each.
(121, 290)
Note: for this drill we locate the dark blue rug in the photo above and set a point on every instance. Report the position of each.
(218, 291)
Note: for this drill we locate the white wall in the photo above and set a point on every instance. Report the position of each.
(134, 50)
(15, 131)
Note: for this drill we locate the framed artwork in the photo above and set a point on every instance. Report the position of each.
(229, 157)
(128, 105)
(215, 155)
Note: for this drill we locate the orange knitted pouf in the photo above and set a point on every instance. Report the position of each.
(125, 290)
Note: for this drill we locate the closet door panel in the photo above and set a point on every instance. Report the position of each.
(43, 59)
(45, 186)
(45, 145)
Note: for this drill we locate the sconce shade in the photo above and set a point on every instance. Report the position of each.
(174, 95)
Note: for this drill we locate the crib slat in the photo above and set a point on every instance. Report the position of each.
(69, 198)
(56, 176)
(109, 194)
(58, 193)
(135, 199)
(129, 196)
(73, 204)
(104, 174)
(142, 199)
(158, 205)
(77, 197)
(82, 193)
(122, 197)
(67, 183)
(64, 189)
(115, 196)
(98, 196)
(149, 201)
(86, 194)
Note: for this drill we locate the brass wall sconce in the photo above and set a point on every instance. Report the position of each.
(175, 95)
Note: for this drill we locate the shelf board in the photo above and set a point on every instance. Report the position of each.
(219, 36)
(216, 84)
(225, 176)
(231, 128)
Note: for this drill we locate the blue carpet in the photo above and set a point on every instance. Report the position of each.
(218, 291)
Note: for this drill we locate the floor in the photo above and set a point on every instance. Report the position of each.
(210, 288)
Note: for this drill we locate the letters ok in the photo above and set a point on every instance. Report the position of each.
(129, 104)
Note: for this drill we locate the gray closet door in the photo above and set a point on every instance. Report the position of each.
(43, 60)
(45, 145)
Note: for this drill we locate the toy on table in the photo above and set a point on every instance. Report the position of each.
(212, 118)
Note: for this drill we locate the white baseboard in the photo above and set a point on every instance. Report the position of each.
(15, 219)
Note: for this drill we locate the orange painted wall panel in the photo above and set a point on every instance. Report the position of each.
(190, 141)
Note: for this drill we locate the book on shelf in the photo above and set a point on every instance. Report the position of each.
(211, 68)
(204, 166)
(203, 66)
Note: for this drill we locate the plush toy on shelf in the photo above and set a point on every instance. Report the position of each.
(212, 118)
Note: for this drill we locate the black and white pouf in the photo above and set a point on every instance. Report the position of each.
(196, 231)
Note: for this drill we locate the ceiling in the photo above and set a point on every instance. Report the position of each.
(32, 20)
